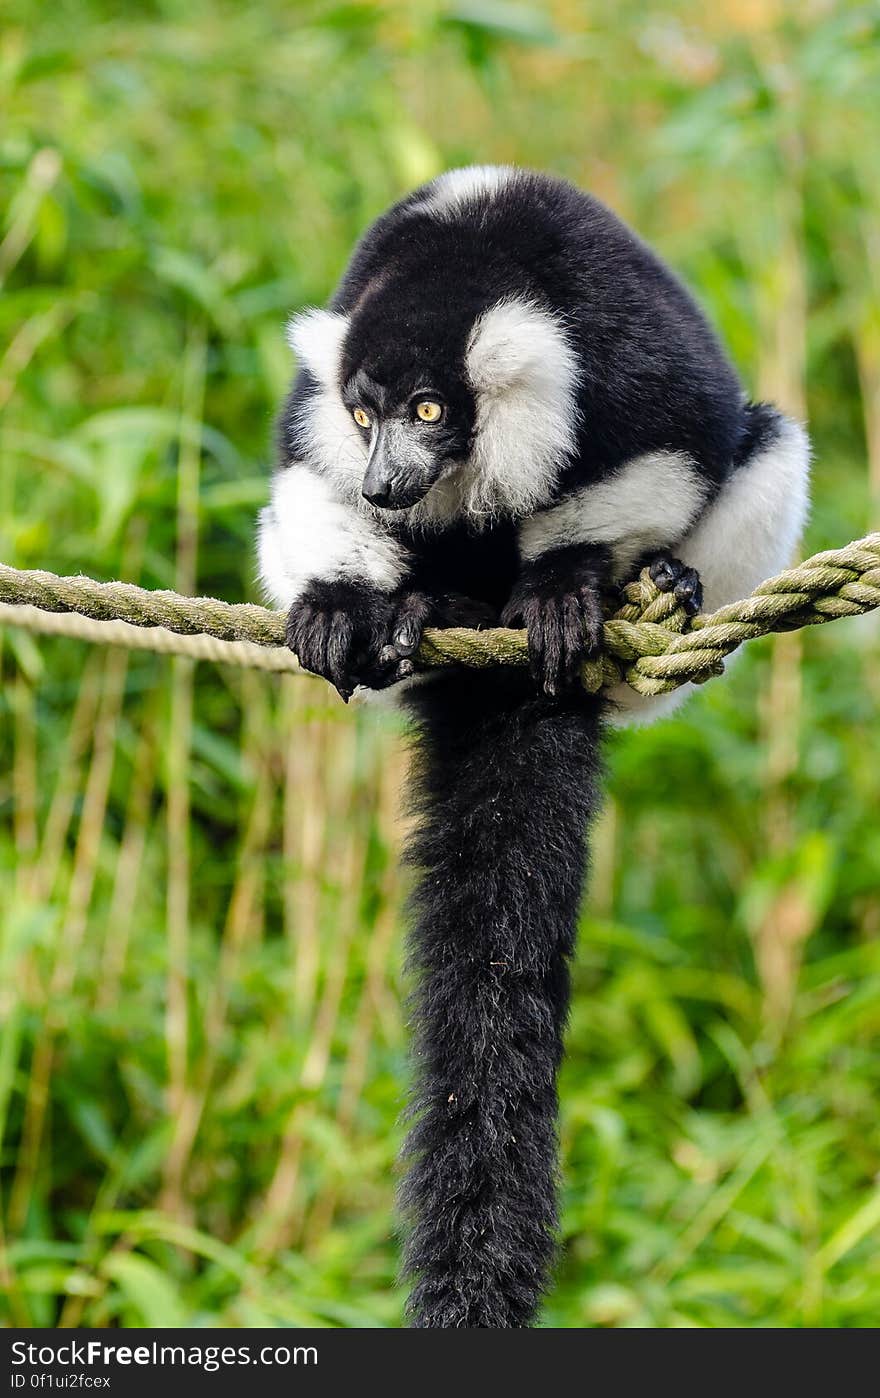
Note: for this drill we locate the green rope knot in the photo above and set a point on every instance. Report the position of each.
(642, 624)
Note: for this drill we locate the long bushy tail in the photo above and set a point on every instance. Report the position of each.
(506, 785)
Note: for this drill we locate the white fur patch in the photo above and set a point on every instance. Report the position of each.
(632, 710)
(316, 338)
(523, 373)
(331, 439)
(305, 534)
(649, 502)
(751, 530)
(455, 188)
(333, 443)
(748, 533)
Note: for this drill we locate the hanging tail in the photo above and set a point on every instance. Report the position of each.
(507, 782)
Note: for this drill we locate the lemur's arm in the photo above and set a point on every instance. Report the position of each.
(596, 536)
(342, 579)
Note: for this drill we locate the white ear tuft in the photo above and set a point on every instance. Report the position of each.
(316, 338)
(524, 373)
(516, 342)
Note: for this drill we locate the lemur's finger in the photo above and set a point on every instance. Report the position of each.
(513, 613)
(531, 619)
(388, 669)
(339, 643)
(407, 637)
(553, 645)
(297, 634)
(592, 619)
(689, 591)
(317, 642)
(298, 619)
(574, 636)
(665, 571)
(411, 618)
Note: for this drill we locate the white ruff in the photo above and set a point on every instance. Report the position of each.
(306, 534)
(524, 374)
(648, 502)
(332, 441)
(316, 338)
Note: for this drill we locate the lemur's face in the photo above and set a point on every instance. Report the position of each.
(416, 424)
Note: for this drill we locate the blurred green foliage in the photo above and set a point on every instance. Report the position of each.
(202, 1052)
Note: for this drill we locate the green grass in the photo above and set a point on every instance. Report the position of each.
(202, 1043)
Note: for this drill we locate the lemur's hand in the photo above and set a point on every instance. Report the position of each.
(671, 575)
(352, 634)
(558, 598)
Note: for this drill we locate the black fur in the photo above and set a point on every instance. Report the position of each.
(558, 599)
(507, 784)
(341, 629)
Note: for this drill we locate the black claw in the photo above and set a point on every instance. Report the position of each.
(407, 638)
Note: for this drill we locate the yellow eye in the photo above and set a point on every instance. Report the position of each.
(361, 418)
(429, 411)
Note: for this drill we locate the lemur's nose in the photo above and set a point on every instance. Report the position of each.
(378, 492)
(376, 486)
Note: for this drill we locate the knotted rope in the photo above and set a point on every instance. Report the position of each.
(648, 642)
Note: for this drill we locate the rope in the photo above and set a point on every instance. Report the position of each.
(648, 642)
(245, 654)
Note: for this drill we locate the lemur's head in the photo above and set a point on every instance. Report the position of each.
(445, 408)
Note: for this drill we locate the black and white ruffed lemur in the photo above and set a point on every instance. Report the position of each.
(508, 408)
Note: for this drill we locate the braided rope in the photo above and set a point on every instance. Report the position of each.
(648, 642)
